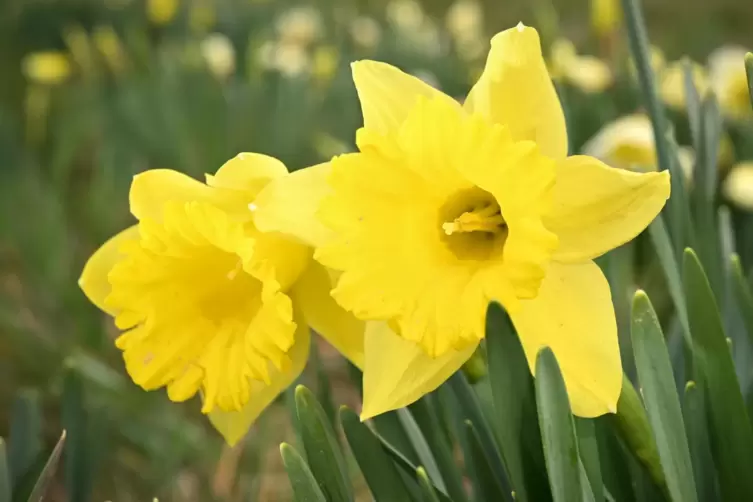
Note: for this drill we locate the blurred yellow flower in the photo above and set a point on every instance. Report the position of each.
(405, 15)
(290, 59)
(324, 66)
(207, 301)
(219, 55)
(299, 25)
(464, 19)
(47, 68)
(365, 32)
(108, 43)
(738, 186)
(588, 73)
(729, 81)
(161, 12)
(672, 83)
(448, 207)
(628, 143)
(606, 16)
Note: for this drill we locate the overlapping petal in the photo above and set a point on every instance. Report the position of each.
(152, 189)
(574, 316)
(597, 208)
(340, 328)
(398, 372)
(289, 205)
(515, 90)
(387, 94)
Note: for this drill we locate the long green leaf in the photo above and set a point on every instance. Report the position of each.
(378, 469)
(666, 157)
(588, 447)
(5, 486)
(305, 486)
(515, 420)
(427, 490)
(391, 428)
(321, 446)
(696, 424)
(25, 441)
(663, 246)
(428, 417)
(78, 451)
(743, 294)
(48, 471)
(470, 410)
(421, 446)
(632, 425)
(557, 429)
(662, 403)
(732, 437)
(486, 485)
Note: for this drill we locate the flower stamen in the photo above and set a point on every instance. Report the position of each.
(484, 219)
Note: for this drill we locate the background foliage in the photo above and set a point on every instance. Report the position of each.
(147, 87)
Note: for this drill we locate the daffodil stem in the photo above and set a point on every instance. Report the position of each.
(749, 71)
(666, 154)
(632, 425)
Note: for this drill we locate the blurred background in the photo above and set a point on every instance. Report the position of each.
(95, 91)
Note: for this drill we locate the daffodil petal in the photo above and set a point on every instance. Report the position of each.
(574, 316)
(233, 425)
(515, 90)
(398, 372)
(325, 316)
(247, 171)
(93, 280)
(387, 94)
(597, 208)
(151, 189)
(289, 205)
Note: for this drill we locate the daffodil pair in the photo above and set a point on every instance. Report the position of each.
(444, 209)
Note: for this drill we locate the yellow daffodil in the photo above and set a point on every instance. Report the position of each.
(448, 207)
(738, 185)
(365, 32)
(47, 68)
(324, 63)
(728, 79)
(606, 16)
(299, 25)
(209, 303)
(672, 83)
(219, 55)
(161, 12)
(628, 143)
(588, 73)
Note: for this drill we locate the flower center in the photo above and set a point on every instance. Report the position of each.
(472, 225)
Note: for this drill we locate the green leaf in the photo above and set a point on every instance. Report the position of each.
(322, 450)
(408, 467)
(557, 429)
(615, 462)
(428, 418)
(5, 486)
(588, 447)
(662, 404)
(427, 490)
(515, 421)
(45, 477)
(486, 485)
(587, 494)
(632, 425)
(378, 470)
(78, 452)
(391, 428)
(696, 424)
(469, 409)
(419, 443)
(743, 294)
(25, 441)
(731, 434)
(663, 246)
(749, 71)
(666, 156)
(305, 487)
